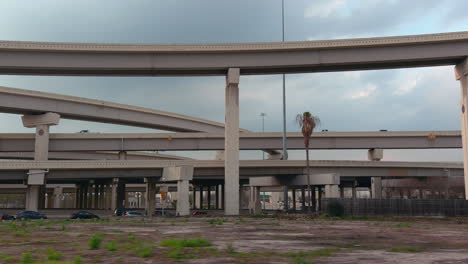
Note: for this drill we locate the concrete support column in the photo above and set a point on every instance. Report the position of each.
(208, 194)
(201, 197)
(286, 198)
(314, 199)
(217, 196)
(108, 195)
(255, 207)
(183, 203)
(332, 191)
(150, 202)
(303, 196)
(342, 191)
(96, 196)
(319, 200)
(85, 188)
(461, 73)
(118, 194)
(194, 197)
(376, 187)
(223, 201)
(231, 144)
(294, 199)
(353, 190)
(58, 192)
(34, 199)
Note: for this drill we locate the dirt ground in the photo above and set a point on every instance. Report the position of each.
(280, 239)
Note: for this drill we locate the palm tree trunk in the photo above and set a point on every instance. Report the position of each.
(308, 182)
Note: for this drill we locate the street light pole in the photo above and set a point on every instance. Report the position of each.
(285, 151)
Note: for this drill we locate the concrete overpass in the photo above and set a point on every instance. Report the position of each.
(18, 101)
(248, 141)
(47, 58)
(99, 155)
(73, 171)
(232, 60)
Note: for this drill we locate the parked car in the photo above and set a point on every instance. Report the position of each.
(119, 212)
(132, 213)
(5, 216)
(84, 215)
(29, 215)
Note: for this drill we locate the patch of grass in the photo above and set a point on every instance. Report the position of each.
(300, 260)
(269, 224)
(217, 221)
(6, 258)
(405, 249)
(95, 241)
(179, 254)
(77, 260)
(27, 258)
(53, 255)
(182, 243)
(111, 246)
(144, 251)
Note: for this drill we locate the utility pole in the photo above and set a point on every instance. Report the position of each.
(285, 148)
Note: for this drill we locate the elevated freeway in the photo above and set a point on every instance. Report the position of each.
(72, 171)
(248, 141)
(48, 58)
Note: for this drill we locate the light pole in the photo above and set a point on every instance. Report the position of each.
(285, 151)
(263, 128)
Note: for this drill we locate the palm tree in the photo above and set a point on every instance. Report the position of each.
(307, 122)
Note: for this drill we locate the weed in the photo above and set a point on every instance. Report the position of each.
(77, 260)
(53, 255)
(178, 254)
(95, 241)
(403, 225)
(111, 246)
(144, 251)
(27, 258)
(269, 224)
(405, 249)
(181, 243)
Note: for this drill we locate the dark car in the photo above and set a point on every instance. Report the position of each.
(4, 216)
(29, 215)
(84, 215)
(119, 212)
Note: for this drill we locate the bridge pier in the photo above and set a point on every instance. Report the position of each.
(36, 178)
(255, 206)
(150, 203)
(376, 187)
(183, 203)
(461, 73)
(231, 143)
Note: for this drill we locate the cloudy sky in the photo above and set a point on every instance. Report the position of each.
(404, 99)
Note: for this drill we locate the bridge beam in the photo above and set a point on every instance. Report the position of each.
(461, 72)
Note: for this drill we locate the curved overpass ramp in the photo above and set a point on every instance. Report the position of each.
(48, 58)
